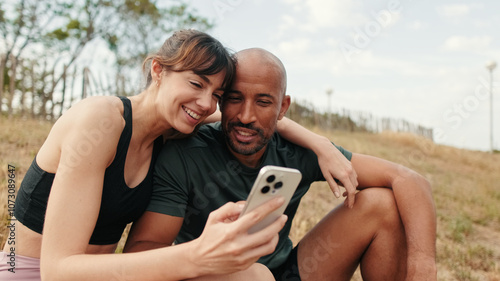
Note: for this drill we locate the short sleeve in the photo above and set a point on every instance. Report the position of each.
(344, 151)
(170, 183)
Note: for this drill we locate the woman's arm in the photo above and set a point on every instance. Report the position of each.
(74, 204)
(73, 208)
(332, 162)
(215, 117)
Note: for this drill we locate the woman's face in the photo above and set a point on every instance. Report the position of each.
(187, 98)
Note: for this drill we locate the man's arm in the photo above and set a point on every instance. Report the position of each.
(152, 231)
(415, 204)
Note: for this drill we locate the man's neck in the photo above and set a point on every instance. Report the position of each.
(252, 161)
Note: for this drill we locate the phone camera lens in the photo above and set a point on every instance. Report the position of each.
(265, 189)
(278, 185)
(271, 178)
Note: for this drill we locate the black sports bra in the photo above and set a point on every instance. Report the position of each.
(120, 204)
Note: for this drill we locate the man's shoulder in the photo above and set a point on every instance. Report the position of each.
(207, 141)
(286, 153)
(207, 135)
(211, 131)
(285, 146)
(184, 154)
(293, 155)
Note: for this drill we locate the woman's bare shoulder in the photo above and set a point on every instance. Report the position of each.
(94, 112)
(96, 120)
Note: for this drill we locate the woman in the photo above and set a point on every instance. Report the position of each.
(97, 162)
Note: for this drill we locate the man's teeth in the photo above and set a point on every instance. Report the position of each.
(244, 133)
(192, 113)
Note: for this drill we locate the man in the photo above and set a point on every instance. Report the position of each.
(389, 231)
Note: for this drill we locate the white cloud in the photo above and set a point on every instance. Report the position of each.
(454, 10)
(315, 14)
(287, 22)
(292, 2)
(334, 13)
(294, 47)
(332, 42)
(463, 43)
(418, 25)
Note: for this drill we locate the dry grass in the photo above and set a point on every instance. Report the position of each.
(19, 143)
(466, 187)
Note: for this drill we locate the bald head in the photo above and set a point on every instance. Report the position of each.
(253, 104)
(261, 62)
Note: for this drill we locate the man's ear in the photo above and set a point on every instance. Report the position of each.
(285, 104)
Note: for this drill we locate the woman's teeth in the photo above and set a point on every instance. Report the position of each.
(191, 113)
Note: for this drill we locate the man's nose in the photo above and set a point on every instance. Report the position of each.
(247, 113)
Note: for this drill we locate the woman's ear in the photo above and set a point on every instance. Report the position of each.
(156, 70)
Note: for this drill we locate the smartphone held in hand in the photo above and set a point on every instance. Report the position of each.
(272, 181)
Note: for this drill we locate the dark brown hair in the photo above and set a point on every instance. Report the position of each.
(193, 50)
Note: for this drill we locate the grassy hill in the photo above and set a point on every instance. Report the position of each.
(466, 187)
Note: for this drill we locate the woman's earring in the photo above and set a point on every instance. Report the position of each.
(157, 83)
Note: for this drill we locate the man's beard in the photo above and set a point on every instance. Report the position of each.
(245, 148)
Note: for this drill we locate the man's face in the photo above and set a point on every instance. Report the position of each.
(250, 110)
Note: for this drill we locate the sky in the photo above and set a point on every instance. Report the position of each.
(419, 60)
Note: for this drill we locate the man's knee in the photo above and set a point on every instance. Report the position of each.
(256, 271)
(259, 272)
(380, 203)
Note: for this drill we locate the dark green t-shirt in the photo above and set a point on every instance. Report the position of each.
(197, 175)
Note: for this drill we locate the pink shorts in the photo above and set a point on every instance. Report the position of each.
(19, 268)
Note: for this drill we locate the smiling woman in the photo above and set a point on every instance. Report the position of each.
(186, 98)
(93, 174)
(200, 63)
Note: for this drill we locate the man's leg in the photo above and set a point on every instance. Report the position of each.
(370, 234)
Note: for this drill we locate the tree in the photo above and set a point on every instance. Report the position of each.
(20, 25)
(145, 25)
(56, 33)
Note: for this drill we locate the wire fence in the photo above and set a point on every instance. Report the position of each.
(353, 121)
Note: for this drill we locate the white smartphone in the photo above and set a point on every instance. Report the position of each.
(271, 181)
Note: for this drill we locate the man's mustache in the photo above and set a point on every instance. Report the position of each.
(246, 126)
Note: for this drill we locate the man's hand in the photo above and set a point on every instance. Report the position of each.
(225, 245)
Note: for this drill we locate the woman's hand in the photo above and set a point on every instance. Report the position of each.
(225, 245)
(332, 162)
(334, 165)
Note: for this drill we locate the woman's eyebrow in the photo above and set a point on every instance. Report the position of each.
(205, 78)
